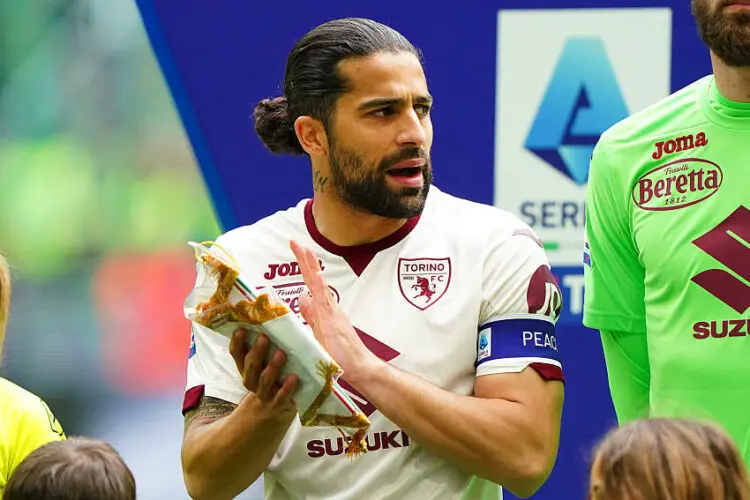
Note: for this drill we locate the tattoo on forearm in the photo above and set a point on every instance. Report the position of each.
(209, 409)
(319, 181)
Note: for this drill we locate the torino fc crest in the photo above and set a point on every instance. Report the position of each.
(424, 281)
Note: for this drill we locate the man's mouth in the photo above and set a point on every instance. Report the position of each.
(737, 5)
(405, 172)
(407, 168)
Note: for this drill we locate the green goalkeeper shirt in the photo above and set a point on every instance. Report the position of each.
(667, 259)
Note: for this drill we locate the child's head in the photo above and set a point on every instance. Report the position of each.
(81, 468)
(668, 459)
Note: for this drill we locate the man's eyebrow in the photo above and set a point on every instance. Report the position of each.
(382, 102)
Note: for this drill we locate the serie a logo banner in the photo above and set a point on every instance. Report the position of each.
(556, 96)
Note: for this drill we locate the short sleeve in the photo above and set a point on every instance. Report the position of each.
(211, 370)
(614, 277)
(37, 427)
(521, 302)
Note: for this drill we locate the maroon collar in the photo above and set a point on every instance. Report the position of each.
(357, 256)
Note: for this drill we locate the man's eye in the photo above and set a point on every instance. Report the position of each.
(383, 112)
(422, 109)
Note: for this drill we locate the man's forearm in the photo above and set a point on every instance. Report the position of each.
(222, 458)
(496, 439)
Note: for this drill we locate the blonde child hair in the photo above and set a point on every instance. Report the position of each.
(668, 459)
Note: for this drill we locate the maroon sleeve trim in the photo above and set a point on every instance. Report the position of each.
(192, 398)
(548, 372)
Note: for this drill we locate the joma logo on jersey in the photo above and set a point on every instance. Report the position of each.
(679, 144)
(729, 244)
(286, 269)
(678, 184)
(423, 281)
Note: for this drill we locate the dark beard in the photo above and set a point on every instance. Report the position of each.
(367, 189)
(727, 35)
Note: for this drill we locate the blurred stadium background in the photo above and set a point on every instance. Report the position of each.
(99, 192)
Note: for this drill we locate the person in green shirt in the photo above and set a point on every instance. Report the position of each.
(667, 252)
(26, 421)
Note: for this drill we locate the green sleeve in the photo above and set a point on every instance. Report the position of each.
(626, 355)
(614, 277)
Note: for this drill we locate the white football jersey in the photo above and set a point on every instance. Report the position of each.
(462, 291)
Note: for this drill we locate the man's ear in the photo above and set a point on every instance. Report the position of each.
(312, 135)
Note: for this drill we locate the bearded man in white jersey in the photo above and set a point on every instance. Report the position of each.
(440, 311)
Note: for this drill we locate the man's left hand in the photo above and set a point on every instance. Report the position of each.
(328, 321)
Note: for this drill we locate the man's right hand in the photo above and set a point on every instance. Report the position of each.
(263, 380)
(227, 447)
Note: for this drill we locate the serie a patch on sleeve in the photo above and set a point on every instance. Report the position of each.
(511, 343)
(191, 352)
(587, 254)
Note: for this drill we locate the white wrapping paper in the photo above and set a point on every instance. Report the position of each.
(222, 301)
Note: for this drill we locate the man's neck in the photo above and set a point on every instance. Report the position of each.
(733, 83)
(346, 226)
